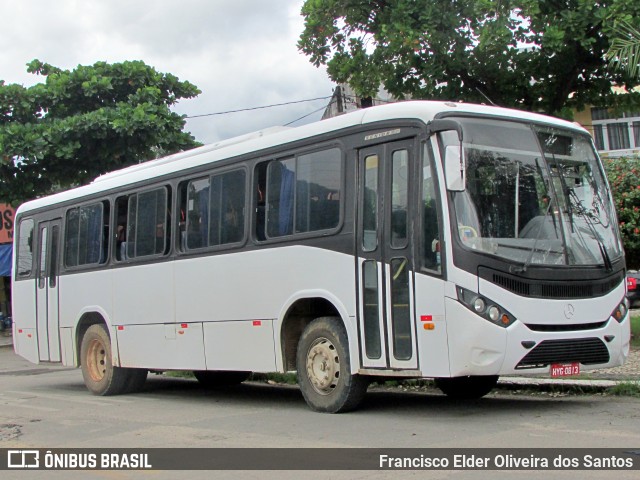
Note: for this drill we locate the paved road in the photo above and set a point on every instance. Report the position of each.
(42, 406)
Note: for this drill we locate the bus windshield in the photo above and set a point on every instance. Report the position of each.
(534, 195)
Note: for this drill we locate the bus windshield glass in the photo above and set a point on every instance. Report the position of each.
(534, 196)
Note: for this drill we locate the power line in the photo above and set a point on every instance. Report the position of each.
(305, 116)
(259, 108)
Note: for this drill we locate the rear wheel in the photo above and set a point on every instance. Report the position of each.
(467, 388)
(215, 378)
(324, 370)
(100, 375)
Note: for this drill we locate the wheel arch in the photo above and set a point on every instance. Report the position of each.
(88, 317)
(301, 310)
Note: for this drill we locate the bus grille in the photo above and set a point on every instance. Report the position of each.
(588, 351)
(566, 328)
(552, 289)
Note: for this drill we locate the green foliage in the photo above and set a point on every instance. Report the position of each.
(84, 122)
(635, 328)
(624, 51)
(472, 49)
(624, 178)
(626, 389)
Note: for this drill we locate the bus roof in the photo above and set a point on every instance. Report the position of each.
(263, 139)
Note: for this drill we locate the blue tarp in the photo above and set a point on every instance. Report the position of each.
(6, 252)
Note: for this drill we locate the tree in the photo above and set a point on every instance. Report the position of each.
(624, 178)
(624, 51)
(79, 124)
(539, 55)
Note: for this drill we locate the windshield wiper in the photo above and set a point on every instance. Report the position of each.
(596, 236)
(529, 259)
(575, 204)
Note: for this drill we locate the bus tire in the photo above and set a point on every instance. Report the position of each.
(467, 388)
(324, 369)
(100, 375)
(136, 381)
(218, 378)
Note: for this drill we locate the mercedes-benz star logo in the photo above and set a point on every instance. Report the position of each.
(569, 310)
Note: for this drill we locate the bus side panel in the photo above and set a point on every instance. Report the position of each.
(84, 292)
(25, 339)
(258, 285)
(67, 345)
(162, 346)
(244, 346)
(143, 295)
(432, 341)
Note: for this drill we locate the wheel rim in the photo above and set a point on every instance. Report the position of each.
(96, 360)
(323, 366)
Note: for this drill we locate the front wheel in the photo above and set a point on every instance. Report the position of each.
(467, 388)
(324, 370)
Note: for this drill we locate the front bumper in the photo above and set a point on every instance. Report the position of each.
(477, 347)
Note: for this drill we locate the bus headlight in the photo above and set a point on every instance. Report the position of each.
(484, 307)
(620, 312)
(479, 305)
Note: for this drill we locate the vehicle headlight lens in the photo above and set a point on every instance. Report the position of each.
(485, 308)
(620, 312)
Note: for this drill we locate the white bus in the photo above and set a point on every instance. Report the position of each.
(414, 240)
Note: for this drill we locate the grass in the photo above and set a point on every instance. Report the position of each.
(180, 374)
(626, 389)
(635, 328)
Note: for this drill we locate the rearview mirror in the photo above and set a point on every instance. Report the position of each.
(455, 168)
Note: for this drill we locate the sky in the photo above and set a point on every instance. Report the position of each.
(239, 53)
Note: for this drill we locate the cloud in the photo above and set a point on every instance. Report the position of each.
(240, 53)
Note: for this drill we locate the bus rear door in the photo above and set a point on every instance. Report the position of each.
(47, 316)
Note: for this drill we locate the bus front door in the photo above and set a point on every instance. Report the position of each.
(385, 266)
(47, 316)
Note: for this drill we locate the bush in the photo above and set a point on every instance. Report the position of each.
(624, 177)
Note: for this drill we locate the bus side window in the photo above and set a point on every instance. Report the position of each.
(430, 229)
(25, 248)
(143, 224)
(86, 234)
(261, 202)
(121, 228)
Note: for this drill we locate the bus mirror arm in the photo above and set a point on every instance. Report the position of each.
(455, 168)
(454, 160)
(442, 125)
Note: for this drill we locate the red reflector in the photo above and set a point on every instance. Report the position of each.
(120, 327)
(20, 331)
(632, 283)
(426, 318)
(257, 323)
(184, 325)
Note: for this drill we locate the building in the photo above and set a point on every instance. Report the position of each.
(7, 214)
(345, 100)
(615, 135)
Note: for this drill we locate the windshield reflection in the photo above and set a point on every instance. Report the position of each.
(534, 196)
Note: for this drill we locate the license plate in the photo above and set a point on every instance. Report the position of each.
(565, 369)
